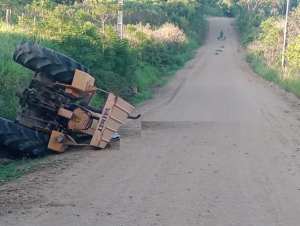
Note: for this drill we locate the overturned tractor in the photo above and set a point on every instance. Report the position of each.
(54, 108)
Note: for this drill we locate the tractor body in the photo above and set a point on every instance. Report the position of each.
(56, 104)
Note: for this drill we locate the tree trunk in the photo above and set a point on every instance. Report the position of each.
(8, 16)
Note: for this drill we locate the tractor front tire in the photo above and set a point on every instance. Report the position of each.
(41, 59)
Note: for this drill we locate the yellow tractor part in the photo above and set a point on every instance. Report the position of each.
(115, 112)
(82, 84)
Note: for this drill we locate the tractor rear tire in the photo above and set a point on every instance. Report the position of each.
(21, 140)
(41, 59)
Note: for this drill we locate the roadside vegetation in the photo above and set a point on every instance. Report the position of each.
(13, 169)
(159, 37)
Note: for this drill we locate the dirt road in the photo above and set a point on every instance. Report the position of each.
(217, 146)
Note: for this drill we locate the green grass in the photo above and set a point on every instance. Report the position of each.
(13, 77)
(140, 97)
(290, 84)
(161, 82)
(18, 168)
(145, 76)
(263, 70)
(98, 101)
(170, 71)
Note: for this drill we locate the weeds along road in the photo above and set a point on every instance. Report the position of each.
(217, 146)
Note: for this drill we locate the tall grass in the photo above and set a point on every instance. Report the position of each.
(290, 84)
(14, 169)
(13, 77)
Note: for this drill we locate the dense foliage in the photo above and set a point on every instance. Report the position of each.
(159, 37)
(264, 34)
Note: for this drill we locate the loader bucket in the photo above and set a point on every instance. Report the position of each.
(114, 113)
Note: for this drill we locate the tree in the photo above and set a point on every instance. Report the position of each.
(41, 8)
(226, 6)
(294, 25)
(293, 54)
(103, 13)
(271, 38)
(254, 5)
